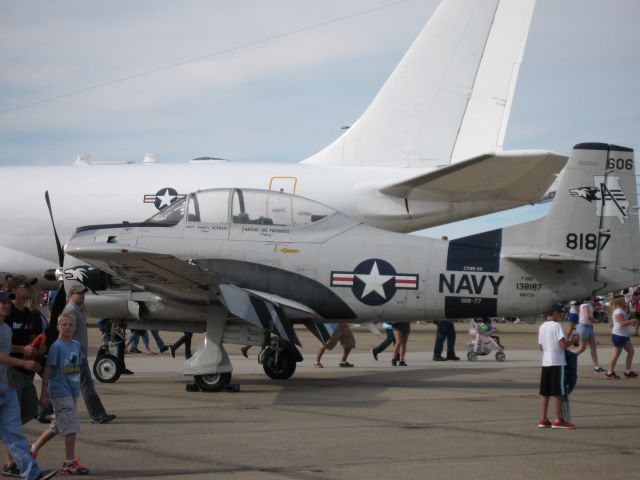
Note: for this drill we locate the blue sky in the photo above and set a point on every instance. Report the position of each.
(284, 99)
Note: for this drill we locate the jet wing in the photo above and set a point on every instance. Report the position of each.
(522, 176)
(158, 273)
(170, 277)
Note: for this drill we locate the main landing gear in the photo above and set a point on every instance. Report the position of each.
(279, 359)
(210, 365)
(211, 368)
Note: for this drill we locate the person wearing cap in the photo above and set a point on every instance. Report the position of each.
(91, 399)
(26, 325)
(552, 343)
(10, 426)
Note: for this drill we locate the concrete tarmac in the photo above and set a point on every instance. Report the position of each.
(445, 420)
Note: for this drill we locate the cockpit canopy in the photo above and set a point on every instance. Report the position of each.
(243, 206)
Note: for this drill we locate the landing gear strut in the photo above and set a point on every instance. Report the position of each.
(210, 365)
(279, 359)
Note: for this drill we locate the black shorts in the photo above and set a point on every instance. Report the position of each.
(552, 381)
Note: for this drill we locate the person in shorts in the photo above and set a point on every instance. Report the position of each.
(620, 339)
(587, 333)
(61, 387)
(343, 335)
(401, 331)
(552, 343)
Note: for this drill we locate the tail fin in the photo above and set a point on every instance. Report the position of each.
(594, 217)
(451, 92)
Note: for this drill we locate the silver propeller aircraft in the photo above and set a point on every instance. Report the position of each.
(246, 265)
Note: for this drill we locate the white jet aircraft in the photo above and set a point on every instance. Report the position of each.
(427, 151)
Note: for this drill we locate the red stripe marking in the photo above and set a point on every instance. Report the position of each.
(342, 279)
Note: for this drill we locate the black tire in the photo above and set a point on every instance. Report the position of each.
(284, 369)
(107, 368)
(213, 382)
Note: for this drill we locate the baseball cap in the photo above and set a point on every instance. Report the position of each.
(21, 280)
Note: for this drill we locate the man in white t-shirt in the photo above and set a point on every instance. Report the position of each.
(552, 344)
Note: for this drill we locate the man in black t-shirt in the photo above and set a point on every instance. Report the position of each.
(26, 326)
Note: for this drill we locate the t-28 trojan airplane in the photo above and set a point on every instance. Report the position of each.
(247, 264)
(427, 151)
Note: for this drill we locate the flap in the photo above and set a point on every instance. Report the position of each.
(521, 176)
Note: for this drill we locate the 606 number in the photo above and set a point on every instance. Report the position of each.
(619, 163)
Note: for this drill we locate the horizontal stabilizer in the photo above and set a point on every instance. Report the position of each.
(522, 176)
(545, 257)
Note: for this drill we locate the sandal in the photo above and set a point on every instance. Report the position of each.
(148, 351)
(318, 365)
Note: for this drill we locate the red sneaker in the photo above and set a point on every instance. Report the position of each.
(562, 424)
(544, 423)
(73, 468)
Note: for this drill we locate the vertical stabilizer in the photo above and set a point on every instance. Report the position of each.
(452, 90)
(485, 120)
(594, 216)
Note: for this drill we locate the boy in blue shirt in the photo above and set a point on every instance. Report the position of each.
(61, 387)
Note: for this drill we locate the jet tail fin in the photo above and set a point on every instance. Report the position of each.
(593, 218)
(450, 96)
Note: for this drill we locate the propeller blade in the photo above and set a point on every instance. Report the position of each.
(55, 310)
(55, 233)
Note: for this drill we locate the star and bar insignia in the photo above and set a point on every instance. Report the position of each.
(165, 197)
(374, 281)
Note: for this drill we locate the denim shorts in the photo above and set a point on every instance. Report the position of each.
(585, 331)
(618, 340)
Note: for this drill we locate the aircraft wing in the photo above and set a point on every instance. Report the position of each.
(181, 281)
(519, 175)
(158, 273)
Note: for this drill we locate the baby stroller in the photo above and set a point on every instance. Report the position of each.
(482, 343)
